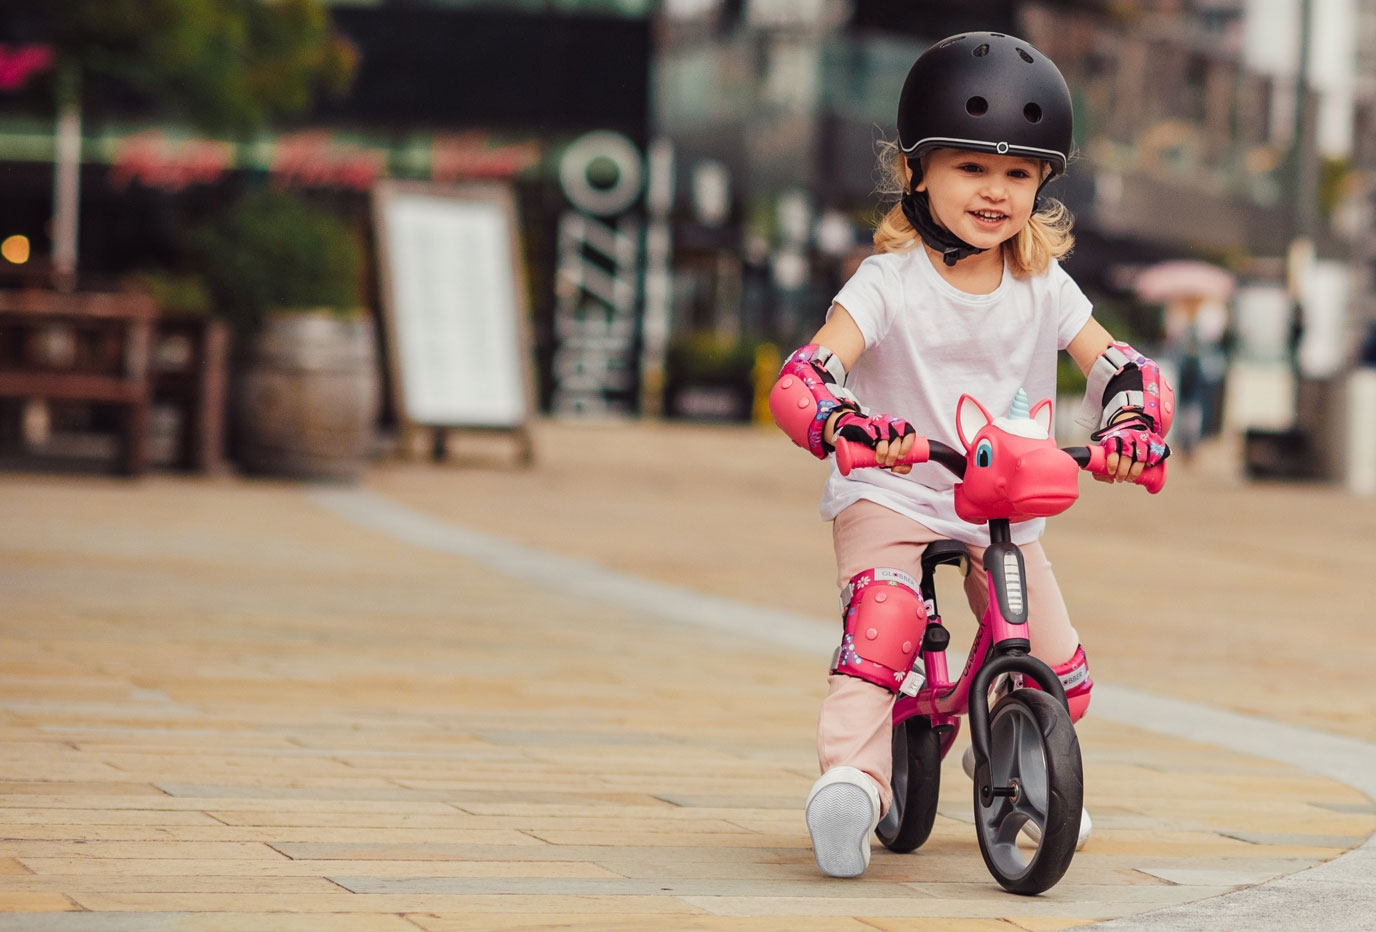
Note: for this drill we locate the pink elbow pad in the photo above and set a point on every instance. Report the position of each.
(809, 389)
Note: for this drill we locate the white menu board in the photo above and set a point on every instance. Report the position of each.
(451, 280)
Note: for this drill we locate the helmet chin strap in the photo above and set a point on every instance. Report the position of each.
(919, 213)
(918, 209)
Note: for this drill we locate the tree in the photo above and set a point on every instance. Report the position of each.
(225, 66)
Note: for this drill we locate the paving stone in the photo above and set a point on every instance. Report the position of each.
(761, 887)
(199, 922)
(1298, 839)
(493, 922)
(19, 789)
(1203, 877)
(331, 904)
(163, 882)
(23, 901)
(11, 817)
(164, 850)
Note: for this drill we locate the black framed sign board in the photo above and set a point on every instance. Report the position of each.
(455, 310)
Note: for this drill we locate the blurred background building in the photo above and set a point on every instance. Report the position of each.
(695, 179)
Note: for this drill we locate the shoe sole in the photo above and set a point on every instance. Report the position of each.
(839, 819)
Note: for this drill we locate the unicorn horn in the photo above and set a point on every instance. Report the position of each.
(1019, 409)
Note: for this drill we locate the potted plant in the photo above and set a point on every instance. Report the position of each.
(710, 377)
(288, 277)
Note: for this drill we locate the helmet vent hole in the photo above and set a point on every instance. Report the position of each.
(1025, 57)
(981, 51)
(950, 42)
(977, 106)
(1033, 113)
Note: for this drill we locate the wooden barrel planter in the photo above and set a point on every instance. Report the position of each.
(309, 397)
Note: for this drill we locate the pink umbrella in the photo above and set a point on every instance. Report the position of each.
(1184, 278)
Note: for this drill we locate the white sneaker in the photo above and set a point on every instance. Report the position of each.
(1031, 829)
(842, 812)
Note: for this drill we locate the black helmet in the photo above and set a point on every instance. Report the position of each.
(987, 92)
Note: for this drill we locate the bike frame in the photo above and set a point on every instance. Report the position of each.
(998, 637)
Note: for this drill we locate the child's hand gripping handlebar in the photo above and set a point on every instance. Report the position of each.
(851, 455)
(1153, 478)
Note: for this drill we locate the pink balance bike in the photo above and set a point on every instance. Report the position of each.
(1027, 765)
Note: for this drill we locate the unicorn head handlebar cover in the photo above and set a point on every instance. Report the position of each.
(1013, 468)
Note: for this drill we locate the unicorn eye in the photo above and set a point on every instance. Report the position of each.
(984, 453)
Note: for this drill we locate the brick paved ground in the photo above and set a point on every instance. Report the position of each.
(225, 706)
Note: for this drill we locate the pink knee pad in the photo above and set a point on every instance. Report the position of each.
(1074, 676)
(883, 616)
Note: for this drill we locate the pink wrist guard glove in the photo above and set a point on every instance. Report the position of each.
(870, 429)
(1134, 438)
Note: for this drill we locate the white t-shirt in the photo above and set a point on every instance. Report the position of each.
(926, 344)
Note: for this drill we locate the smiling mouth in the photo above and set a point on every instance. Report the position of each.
(988, 216)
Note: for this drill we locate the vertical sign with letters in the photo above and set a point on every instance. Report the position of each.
(598, 290)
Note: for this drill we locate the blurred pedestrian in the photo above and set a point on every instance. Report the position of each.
(1196, 341)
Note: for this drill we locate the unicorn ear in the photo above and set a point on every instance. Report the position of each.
(971, 418)
(1041, 413)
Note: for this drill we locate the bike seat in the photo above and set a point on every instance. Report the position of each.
(951, 552)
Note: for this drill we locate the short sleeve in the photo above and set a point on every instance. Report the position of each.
(1072, 307)
(869, 297)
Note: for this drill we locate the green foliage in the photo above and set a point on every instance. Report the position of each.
(176, 293)
(707, 358)
(225, 65)
(273, 250)
(1335, 178)
(1069, 379)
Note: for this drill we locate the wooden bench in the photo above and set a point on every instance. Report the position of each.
(92, 347)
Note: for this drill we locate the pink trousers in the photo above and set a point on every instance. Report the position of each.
(855, 724)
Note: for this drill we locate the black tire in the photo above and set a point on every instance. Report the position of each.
(1032, 745)
(916, 782)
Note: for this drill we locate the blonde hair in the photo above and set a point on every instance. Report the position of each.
(1046, 236)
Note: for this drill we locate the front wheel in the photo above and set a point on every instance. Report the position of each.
(916, 781)
(1036, 776)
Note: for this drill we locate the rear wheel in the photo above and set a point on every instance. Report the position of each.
(1035, 775)
(916, 781)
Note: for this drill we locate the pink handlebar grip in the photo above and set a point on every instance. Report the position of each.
(1153, 478)
(856, 455)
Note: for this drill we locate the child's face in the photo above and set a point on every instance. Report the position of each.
(983, 198)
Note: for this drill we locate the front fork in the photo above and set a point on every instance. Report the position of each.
(1007, 620)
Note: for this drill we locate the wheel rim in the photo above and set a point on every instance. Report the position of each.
(1017, 759)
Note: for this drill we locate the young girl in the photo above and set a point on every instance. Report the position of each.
(963, 295)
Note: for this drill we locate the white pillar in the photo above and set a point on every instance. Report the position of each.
(1361, 431)
(66, 179)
